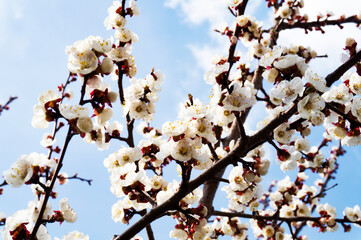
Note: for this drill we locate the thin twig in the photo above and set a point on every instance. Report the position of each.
(6, 106)
(318, 24)
(146, 196)
(278, 218)
(213, 152)
(75, 176)
(335, 75)
(51, 186)
(49, 189)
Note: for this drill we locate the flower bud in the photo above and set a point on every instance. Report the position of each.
(234, 40)
(250, 176)
(253, 206)
(263, 168)
(107, 66)
(105, 115)
(350, 42)
(85, 124)
(112, 96)
(268, 231)
(271, 75)
(242, 20)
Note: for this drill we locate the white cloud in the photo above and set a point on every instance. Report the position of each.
(253, 7)
(205, 53)
(330, 43)
(313, 7)
(199, 11)
(9, 11)
(215, 13)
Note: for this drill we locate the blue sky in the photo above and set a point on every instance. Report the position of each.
(176, 39)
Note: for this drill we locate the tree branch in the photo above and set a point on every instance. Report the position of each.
(51, 186)
(75, 176)
(6, 106)
(278, 218)
(49, 189)
(210, 187)
(335, 75)
(318, 24)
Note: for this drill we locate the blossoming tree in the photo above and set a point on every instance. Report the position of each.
(207, 138)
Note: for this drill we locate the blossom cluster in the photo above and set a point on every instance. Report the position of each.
(205, 136)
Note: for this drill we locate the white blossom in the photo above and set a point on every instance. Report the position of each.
(39, 118)
(268, 58)
(122, 157)
(355, 83)
(288, 91)
(283, 134)
(317, 81)
(20, 172)
(75, 235)
(240, 98)
(310, 108)
(73, 111)
(82, 62)
(243, 20)
(352, 214)
(118, 208)
(287, 61)
(107, 65)
(114, 19)
(356, 108)
(123, 34)
(68, 213)
(183, 150)
(338, 94)
(100, 44)
(236, 180)
(133, 6)
(284, 11)
(120, 53)
(178, 234)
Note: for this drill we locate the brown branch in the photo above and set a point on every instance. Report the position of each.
(318, 24)
(294, 236)
(130, 127)
(6, 106)
(83, 88)
(241, 129)
(123, 9)
(335, 75)
(4, 184)
(75, 176)
(278, 218)
(322, 190)
(146, 196)
(58, 125)
(150, 232)
(237, 31)
(332, 107)
(241, 149)
(120, 83)
(213, 152)
(49, 189)
(119, 138)
(220, 180)
(210, 187)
